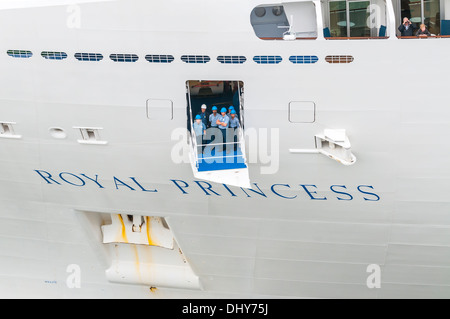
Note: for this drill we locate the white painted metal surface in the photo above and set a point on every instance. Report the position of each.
(310, 229)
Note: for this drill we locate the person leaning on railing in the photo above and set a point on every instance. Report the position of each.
(407, 28)
(423, 32)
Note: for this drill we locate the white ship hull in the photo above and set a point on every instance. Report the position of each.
(391, 208)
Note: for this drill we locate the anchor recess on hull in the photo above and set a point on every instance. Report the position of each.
(143, 251)
(332, 143)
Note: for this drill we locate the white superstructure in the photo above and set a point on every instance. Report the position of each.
(346, 150)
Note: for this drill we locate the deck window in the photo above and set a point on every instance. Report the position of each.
(354, 19)
(422, 11)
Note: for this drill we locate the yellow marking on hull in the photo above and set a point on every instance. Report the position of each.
(137, 264)
(124, 233)
(149, 237)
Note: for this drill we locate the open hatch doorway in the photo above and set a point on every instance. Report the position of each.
(214, 93)
(215, 121)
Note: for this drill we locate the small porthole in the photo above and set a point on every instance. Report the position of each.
(20, 54)
(57, 133)
(260, 12)
(50, 55)
(267, 59)
(155, 58)
(88, 56)
(124, 57)
(231, 59)
(277, 11)
(195, 58)
(339, 58)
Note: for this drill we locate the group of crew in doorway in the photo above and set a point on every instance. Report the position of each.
(217, 129)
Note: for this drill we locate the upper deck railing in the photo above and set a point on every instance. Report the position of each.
(426, 37)
(363, 38)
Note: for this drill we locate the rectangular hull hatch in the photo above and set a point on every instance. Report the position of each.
(143, 251)
(334, 144)
(215, 112)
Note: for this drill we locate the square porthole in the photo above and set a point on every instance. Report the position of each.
(158, 109)
(302, 112)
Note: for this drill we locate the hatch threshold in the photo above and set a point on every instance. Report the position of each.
(219, 166)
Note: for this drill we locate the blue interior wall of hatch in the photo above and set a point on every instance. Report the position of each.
(235, 161)
(224, 100)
